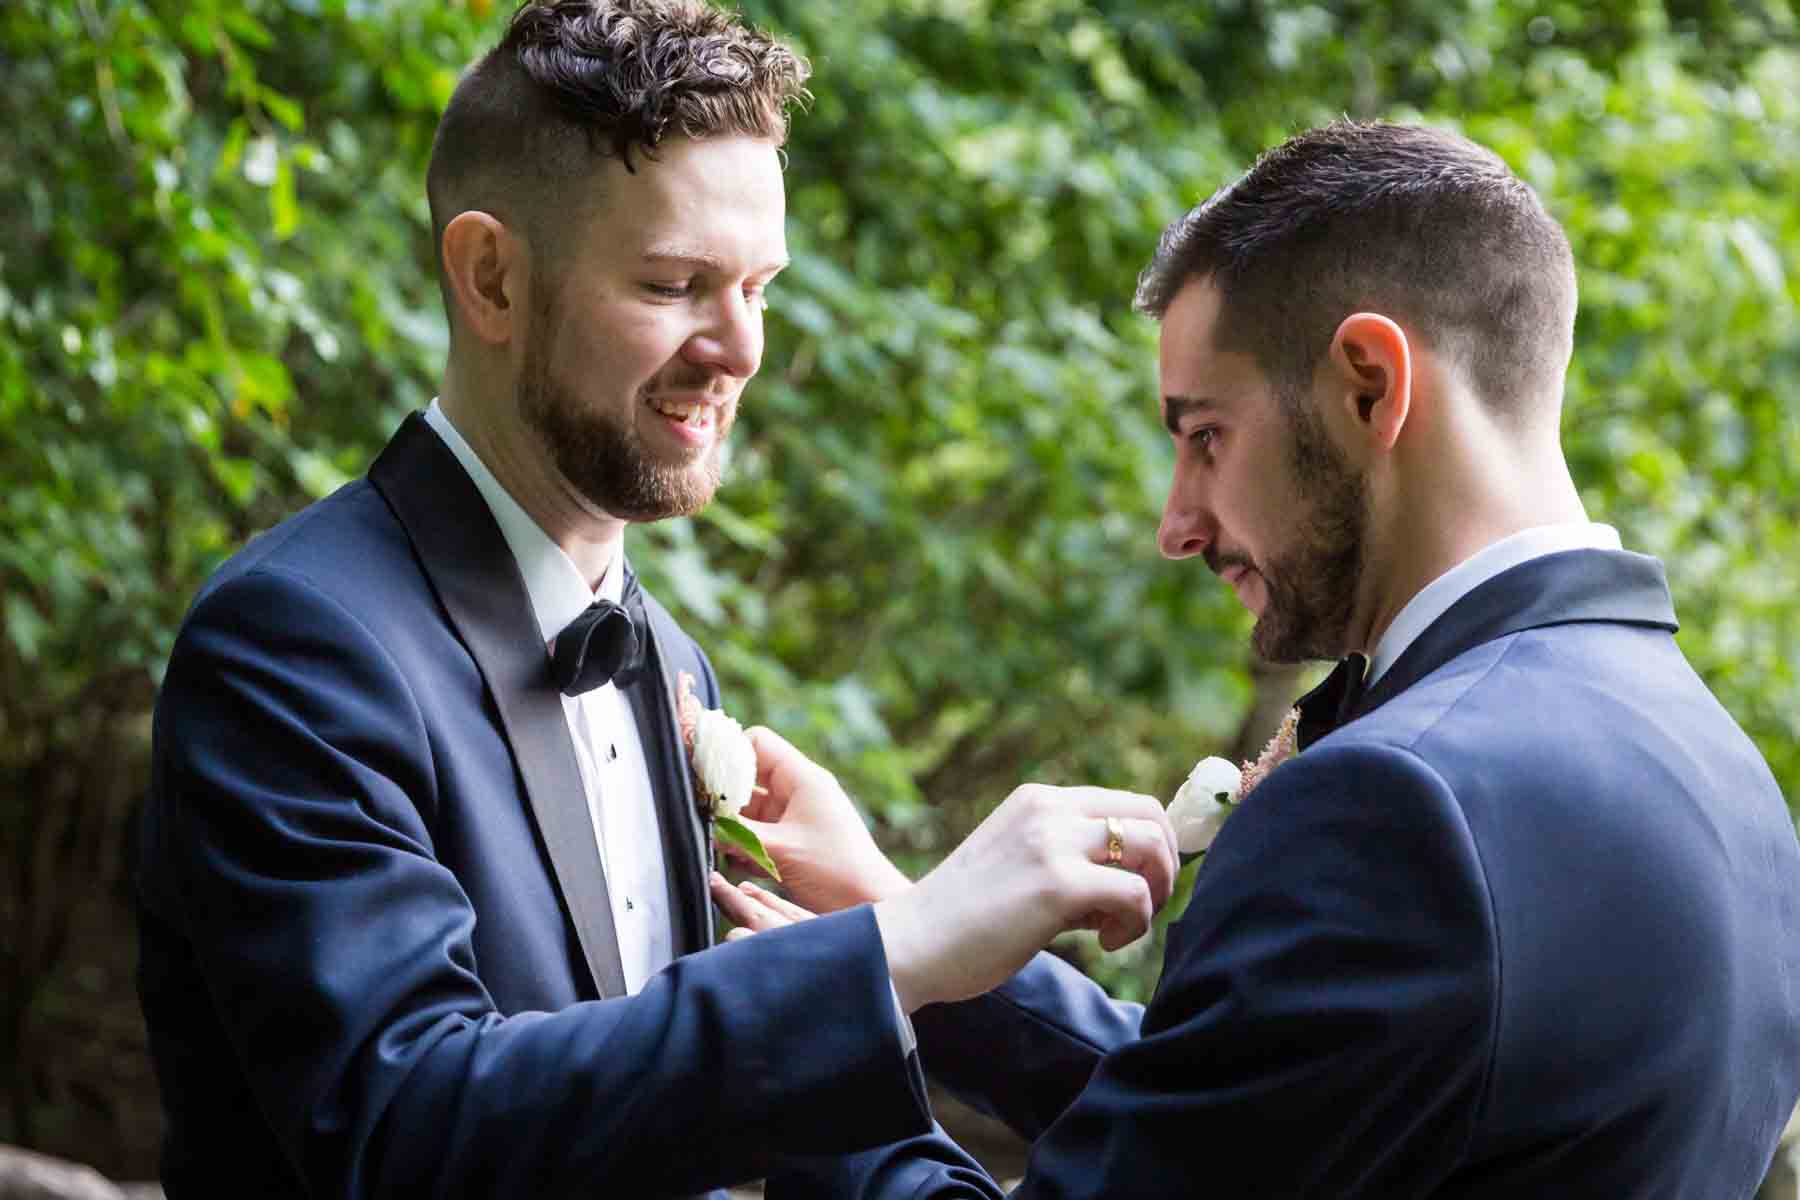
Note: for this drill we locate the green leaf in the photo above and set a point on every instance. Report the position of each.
(734, 832)
(247, 28)
(284, 206)
(1179, 896)
(27, 628)
(284, 109)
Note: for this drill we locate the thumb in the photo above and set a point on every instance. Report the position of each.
(773, 753)
(781, 769)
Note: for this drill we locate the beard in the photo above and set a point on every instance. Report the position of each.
(600, 454)
(1312, 583)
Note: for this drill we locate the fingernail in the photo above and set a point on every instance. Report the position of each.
(748, 886)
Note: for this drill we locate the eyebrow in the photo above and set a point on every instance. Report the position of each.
(699, 258)
(1177, 407)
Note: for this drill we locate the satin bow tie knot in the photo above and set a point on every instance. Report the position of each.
(599, 646)
(1334, 701)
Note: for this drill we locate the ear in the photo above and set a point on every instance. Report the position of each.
(484, 263)
(1372, 369)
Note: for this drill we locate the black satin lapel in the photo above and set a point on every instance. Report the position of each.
(476, 577)
(685, 842)
(1557, 589)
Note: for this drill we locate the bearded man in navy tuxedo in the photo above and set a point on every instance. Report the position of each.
(423, 882)
(1523, 918)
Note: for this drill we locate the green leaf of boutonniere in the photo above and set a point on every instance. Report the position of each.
(734, 832)
(1181, 894)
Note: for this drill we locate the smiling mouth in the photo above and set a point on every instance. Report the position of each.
(693, 414)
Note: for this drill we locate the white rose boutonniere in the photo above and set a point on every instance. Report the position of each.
(1202, 803)
(1214, 787)
(723, 763)
(1210, 794)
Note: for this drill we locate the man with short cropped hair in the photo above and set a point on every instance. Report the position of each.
(423, 878)
(1522, 919)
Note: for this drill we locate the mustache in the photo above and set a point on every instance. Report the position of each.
(710, 384)
(1219, 563)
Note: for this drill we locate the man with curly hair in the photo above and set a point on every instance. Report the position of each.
(423, 882)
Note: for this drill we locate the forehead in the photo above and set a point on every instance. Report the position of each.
(1190, 362)
(717, 198)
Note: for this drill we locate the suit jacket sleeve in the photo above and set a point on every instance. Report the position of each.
(1022, 1052)
(296, 825)
(1330, 991)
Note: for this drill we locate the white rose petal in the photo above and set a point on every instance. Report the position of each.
(724, 761)
(1196, 812)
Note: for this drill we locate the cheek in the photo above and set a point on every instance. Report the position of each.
(618, 340)
(1266, 528)
(1267, 493)
(653, 346)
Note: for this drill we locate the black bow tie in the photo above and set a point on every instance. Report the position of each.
(1331, 703)
(601, 645)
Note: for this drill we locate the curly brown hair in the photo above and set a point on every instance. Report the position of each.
(574, 82)
(636, 71)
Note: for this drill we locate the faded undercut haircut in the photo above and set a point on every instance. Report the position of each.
(1418, 224)
(574, 82)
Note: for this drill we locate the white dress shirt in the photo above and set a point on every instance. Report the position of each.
(608, 747)
(1435, 598)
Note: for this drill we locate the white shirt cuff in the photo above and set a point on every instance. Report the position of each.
(909, 1041)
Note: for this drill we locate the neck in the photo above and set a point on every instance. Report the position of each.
(1438, 517)
(487, 420)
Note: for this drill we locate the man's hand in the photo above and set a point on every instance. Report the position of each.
(828, 860)
(753, 909)
(1036, 867)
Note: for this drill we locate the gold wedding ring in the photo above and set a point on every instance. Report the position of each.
(1115, 842)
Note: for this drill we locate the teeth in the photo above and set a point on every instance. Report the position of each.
(695, 415)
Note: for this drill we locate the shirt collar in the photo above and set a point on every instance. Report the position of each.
(1436, 597)
(557, 590)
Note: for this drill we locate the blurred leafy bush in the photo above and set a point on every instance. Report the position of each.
(933, 564)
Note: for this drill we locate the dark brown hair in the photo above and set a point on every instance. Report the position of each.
(577, 81)
(1419, 224)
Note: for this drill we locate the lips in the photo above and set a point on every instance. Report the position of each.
(1233, 569)
(695, 414)
(1238, 577)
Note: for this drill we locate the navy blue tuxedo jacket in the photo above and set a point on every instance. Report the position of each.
(1527, 926)
(377, 950)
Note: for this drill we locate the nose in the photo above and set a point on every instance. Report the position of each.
(1187, 527)
(731, 340)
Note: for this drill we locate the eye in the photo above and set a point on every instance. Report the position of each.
(671, 291)
(758, 296)
(1205, 439)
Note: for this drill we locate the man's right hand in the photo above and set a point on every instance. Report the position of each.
(827, 858)
(1036, 867)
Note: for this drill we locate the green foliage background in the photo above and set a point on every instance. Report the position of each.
(933, 562)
